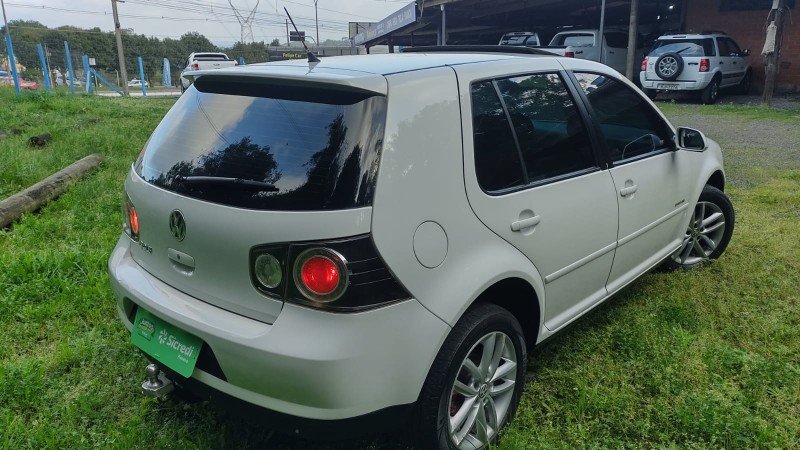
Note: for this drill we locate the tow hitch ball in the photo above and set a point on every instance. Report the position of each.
(157, 384)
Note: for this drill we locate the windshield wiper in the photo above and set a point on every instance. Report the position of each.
(227, 182)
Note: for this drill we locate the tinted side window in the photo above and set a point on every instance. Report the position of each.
(497, 162)
(551, 135)
(724, 50)
(734, 48)
(630, 126)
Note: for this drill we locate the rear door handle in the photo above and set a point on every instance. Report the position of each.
(525, 223)
(626, 191)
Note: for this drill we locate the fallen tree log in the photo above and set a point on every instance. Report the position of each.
(42, 192)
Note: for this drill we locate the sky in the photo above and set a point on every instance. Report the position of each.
(213, 18)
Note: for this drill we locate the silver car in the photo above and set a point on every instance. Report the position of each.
(376, 242)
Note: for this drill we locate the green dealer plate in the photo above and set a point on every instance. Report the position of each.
(169, 345)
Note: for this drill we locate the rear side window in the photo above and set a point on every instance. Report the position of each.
(630, 126)
(684, 47)
(295, 148)
(545, 131)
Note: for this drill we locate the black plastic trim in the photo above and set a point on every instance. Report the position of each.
(384, 420)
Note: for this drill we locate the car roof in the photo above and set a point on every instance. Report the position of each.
(365, 72)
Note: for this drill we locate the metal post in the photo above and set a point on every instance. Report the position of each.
(443, 37)
(287, 33)
(69, 68)
(45, 70)
(633, 31)
(120, 52)
(602, 36)
(241, 60)
(10, 48)
(88, 69)
(141, 78)
(316, 21)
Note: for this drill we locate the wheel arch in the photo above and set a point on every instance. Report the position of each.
(518, 297)
(717, 179)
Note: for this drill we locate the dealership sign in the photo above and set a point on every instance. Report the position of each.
(403, 17)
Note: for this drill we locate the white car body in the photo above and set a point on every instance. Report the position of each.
(560, 245)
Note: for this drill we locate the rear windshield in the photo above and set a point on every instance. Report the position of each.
(577, 40)
(684, 47)
(210, 56)
(304, 148)
(519, 39)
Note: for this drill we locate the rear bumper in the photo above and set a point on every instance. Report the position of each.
(651, 81)
(307, 364)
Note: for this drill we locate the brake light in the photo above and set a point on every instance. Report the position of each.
(569, 54)
(195, 66)
(131, 225)
(644, 64)
(320, 274)
(705, 66)
(344, 275)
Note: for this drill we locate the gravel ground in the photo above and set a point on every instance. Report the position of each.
(753, 147)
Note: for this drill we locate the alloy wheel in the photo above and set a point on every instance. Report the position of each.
(703, 235)
(482, 392)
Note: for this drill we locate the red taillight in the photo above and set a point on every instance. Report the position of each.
(569, 54)
(134, 220)
(705, 66)
(131, 225)
(320, 275)
(644, 64)
(195, 66)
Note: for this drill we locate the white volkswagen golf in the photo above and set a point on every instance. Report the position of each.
(376, 242)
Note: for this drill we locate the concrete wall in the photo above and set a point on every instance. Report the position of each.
(748, 29)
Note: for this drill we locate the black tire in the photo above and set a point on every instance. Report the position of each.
(711, 203)
(746, 83)
(430, 425)
(710, 94)
(669, 66)
(650, 93)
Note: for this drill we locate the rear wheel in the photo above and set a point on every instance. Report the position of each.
(710, 94)
(708, 233)
(475, 383)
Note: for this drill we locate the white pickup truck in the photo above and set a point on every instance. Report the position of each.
(584, 44)
(204, 61)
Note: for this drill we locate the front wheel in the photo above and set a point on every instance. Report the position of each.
(709, 231)
(475, 383)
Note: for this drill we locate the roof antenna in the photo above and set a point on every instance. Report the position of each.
(312, 59)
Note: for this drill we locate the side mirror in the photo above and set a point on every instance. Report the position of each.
(746, 52)
(691, 139)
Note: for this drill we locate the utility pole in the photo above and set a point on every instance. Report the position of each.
(633, 31)
(120, 51)
(773, 54)
(316, 20)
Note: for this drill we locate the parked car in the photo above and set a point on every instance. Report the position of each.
(204, 61)
(521, 38)
(377, 241)
(705, 62)
(138, 83)
(23, 84)
(585, 44)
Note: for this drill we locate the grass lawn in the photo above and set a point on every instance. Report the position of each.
(708, 358)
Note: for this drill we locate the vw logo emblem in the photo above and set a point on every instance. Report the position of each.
(177, 225)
